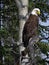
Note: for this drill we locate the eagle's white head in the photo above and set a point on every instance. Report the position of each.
(35, 11)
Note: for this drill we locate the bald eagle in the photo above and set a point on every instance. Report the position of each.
(31, 26)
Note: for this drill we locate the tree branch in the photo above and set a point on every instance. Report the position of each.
(20, 4)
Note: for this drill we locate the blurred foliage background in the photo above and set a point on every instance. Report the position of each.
(9, 30)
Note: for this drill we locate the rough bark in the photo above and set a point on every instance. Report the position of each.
(32, 47)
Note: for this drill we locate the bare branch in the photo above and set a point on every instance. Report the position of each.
(21, 4)
(18, 3)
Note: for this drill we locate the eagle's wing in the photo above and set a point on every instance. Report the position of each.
(30, 29)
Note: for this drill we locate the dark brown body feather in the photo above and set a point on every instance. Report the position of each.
(30, 29)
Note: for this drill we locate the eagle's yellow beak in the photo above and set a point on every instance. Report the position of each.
(38, 12)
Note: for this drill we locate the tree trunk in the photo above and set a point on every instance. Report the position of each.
(23, 10)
